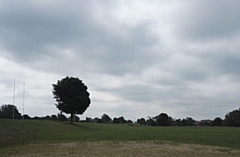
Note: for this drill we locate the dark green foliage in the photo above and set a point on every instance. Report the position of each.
(233, 118)
(115, 120)
(71, 96)
(106, 119)
(190, 121)
(76, 118)
(119, 120)
(6, 111)
(217, 122)
(47, 117)
(163, 120)
(141, 121)
(53, 117)
(129, 121)
(97, 120)
(36, 118)
(206, 122)
(27, 116)
(88, 120)
(61, 117)
(185, 122)
(151, 122)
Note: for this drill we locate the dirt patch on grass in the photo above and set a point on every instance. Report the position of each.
(118, 149)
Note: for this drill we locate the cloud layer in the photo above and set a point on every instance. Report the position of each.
(138, 58)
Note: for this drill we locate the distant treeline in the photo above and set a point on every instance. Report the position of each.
(231, 119)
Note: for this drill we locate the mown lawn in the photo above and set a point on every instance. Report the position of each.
(16, 132)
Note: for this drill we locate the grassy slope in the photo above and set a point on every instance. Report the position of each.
(16, 132)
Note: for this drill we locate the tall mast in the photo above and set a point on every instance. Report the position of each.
(23, 98)
(13, 97)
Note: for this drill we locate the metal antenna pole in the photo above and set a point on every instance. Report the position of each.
(23, 98)
(13, 98)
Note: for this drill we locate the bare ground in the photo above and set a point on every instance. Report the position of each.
(118, 149)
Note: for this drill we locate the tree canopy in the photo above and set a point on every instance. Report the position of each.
(106, 118)
(71, 95)
(163, 119)
(6, 111)
(233, 118)
(217, 121)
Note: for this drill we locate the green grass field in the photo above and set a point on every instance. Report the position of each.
(14, 134)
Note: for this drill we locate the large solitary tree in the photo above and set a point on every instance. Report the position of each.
(71, 95)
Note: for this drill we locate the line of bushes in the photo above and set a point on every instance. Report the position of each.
(231, 119)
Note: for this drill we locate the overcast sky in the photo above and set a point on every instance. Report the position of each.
(138, 58)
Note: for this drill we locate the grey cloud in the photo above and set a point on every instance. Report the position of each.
(28, 32)
(29, 29)
(227, 64)
(118, 53)
(205, 20)
(220, 62)
(178, 61)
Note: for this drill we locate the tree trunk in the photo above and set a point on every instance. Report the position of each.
(71, 118)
